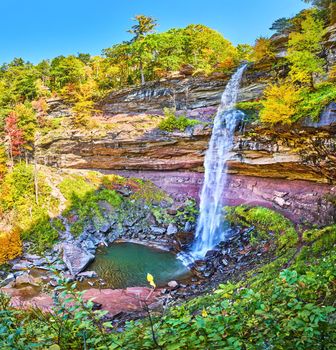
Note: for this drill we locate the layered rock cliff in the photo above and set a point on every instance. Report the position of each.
(135, 143)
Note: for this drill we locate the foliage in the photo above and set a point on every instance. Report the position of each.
(267, 224)
(187, 213)
(332, 73)
(10, 245)
(147, 192)
(18, 203)
(72, 324)
(172, 122)
(90, 208)
(14, 135)
(313, 102)
(280, 104)
(282, 25)
(75, 186)
(42, 235)
(274, 307)
(245, 52)
(3, 162)
(263, 50)
(27, 123)
(327, 9)
(144, 26)
(303, 49)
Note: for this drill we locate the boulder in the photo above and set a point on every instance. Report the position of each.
(157, 230)
(75, 258)
(171, 230)
(173, 284)
(9, 279)
(22, 265)
(26, 279)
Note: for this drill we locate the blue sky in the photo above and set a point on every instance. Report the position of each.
(37, 29)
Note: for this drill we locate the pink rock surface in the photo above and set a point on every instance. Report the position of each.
(112, 300)
(301, 201)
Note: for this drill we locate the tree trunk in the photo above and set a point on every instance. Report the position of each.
(36, 180)
(142, 72)
(332, 9)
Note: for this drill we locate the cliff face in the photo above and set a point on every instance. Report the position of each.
(183, 93)
(267, 167)
(135, 143)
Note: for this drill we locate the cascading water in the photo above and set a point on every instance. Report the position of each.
(210, 227)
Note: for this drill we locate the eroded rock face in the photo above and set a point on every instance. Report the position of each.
(183, 94)
(304, 202)
(305, 153)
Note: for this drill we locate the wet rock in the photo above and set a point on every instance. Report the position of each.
(10, 278)
(31, 257)
(27, 279)
(211, 254)
(171, 230)
(88, 274)
(105, 227)
(188, 227)
(75, 258)
(22, 265)
(225, 262)
(39, 262)
(173, 284)
(157, 230)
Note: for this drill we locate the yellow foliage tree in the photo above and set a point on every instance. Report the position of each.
(304, 47)
(10, 245)
(280, 103)
(263, 50)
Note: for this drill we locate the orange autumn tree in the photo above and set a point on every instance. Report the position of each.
(10, 245)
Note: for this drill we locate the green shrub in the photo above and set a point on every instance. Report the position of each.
(42, 235)
(75, 186)
(313, 102)
(268, 225)
(172, 122)
(90, 208)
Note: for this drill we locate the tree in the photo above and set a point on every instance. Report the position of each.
(206, 48)
(263, 49)
(304, 47)
(14, 136)
(280, 103)
(83, 108)
(282, 26)
(27, 122)
(144, 26)
(327, 9)
(245, 52)
(66, 70)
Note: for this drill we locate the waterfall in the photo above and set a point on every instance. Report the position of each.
(211, 222)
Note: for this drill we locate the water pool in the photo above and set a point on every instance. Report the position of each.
(125, 265)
